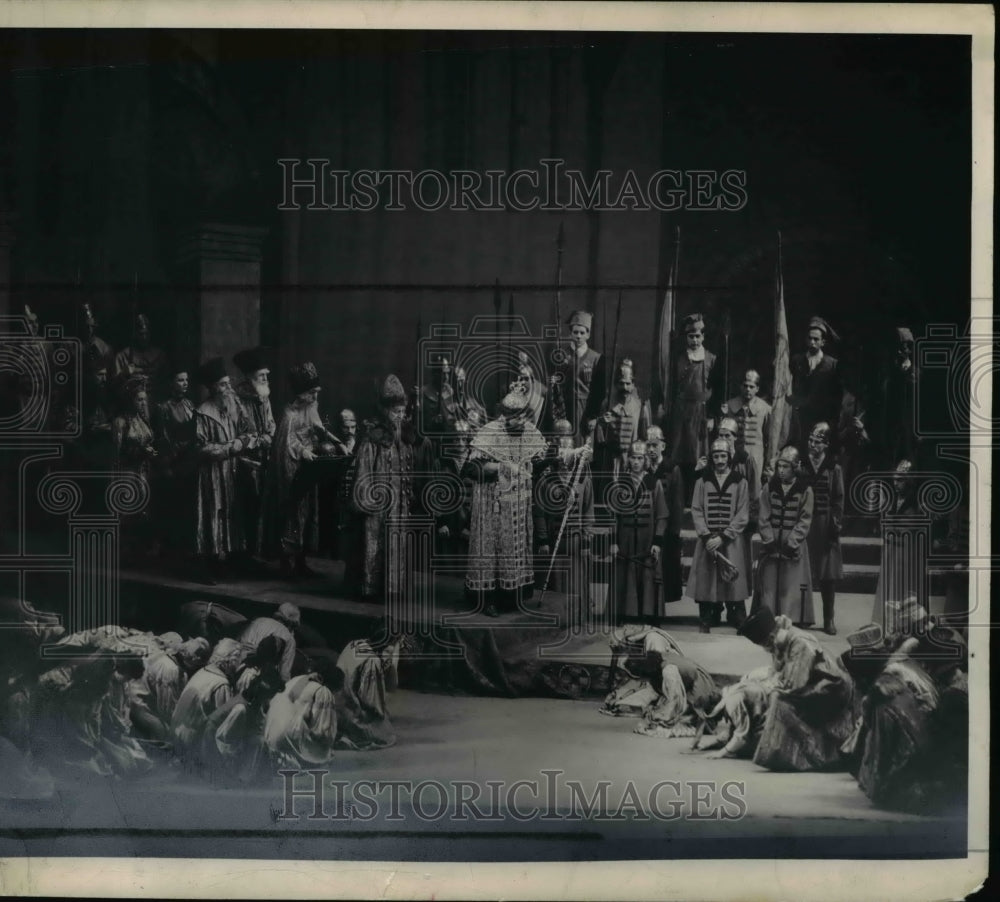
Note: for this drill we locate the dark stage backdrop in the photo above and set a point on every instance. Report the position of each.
(855, 147)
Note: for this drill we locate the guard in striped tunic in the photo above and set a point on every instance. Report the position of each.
(821, 471)
(636, 498)
(753, 419)
(786, 511)
(720, 508)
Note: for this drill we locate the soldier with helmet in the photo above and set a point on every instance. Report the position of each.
(141, 357)
(786, 512)
(753, 420)
(720, 508)
(98, 354)
(623, 421)
(822, 472)
(636, 498)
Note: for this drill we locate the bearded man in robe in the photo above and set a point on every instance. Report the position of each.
(255, 400)
(292, 509)
(500, 462)
(221, 436)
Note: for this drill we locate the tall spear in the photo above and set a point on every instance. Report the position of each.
(496, 308)
(780, 413)
(559, 256)
(726, 328)
(510, 328)
(614, 354)
(666, 336)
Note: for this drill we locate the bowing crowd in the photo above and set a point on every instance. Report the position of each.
(223, 698)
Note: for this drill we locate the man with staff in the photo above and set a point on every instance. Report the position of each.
(564, 515)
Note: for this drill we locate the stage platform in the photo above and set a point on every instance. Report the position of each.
(542, 649)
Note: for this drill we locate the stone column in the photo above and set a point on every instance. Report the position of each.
(221, 262)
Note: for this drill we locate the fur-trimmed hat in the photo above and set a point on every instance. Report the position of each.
(303, 377)
(392, 392)
(758, 626)
(625, 370)
(581, 318)
(252, 359)
(211, 371)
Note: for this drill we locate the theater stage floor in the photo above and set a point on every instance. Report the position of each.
(451, 739)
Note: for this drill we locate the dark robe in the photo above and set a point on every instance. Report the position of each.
(553, 498)
(669, 475)
(827, 484)
(381, 489)
(816, 396)
(695, 385)
(641, 519)
(785, 518)
(251, 465)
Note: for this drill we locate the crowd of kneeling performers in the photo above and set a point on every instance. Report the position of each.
(233, 703)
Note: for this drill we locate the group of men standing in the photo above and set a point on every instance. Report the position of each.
(231, 480)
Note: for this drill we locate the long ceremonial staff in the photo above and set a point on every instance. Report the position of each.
(496, 307)
(558, 391)
(614, 355)
(726, 328)
(573, 485)
(559, 256)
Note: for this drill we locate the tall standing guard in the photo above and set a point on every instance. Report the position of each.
(824, 475)
(697, 379)
(720, 508)
(786, 511)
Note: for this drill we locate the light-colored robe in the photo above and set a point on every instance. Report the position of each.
(501, 527)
